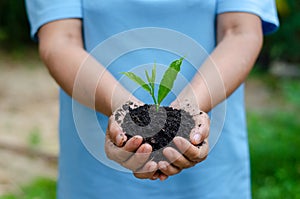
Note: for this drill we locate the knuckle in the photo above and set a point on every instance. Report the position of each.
(125, 165)
(176, 158)
(181, 162)
(195, 157)
(140, 175)
(202, 154)
(110, 155)
(201, 158)
(140, 160)
(108, 150)
(186, 165)
(173, 171)
(134, 164)
(128, 165)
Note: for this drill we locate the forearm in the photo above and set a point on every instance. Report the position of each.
(225, 71)
(226, 68)
(78, 73)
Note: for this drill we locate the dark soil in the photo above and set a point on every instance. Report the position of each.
(157, 127)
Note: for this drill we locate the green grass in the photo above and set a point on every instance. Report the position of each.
(274, 137)
(274, 144)
(41, 188)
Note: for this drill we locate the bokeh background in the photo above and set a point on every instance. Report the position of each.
(29, 110)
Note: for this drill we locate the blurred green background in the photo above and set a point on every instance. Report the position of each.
(273, 122)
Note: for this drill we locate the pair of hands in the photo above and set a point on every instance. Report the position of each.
(134, 155)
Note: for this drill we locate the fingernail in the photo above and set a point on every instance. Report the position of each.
(138, 137)
(197, 138)
(146, 148)
(120, 138)
(136, 140)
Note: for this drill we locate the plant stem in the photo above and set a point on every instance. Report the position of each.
(155, 102)
(154, 99)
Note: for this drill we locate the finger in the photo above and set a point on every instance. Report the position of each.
(115, 132)
(191, 152)
(156, 174)
(116, 153)
(162, 177)
(168, 169)
(198, 134)
(138, 159)
(119, 154)
(133, 143)
(148, 171)
(201, 129)
(177, 159)
(201, 118)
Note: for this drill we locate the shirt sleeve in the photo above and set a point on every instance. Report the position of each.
(265, 9)
(41, 12)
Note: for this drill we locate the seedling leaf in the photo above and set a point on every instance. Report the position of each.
(153, 75)
(151, 81)
(165, 85)
(168, 79)
(138, 80)
(148, 78)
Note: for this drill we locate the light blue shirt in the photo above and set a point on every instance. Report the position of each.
(113, 33)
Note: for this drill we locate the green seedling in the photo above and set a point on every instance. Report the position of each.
(166, 83)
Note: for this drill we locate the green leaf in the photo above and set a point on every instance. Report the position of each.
(153, 75)
(151, 81)
(168, 79)
(138, 80)
(148, 78)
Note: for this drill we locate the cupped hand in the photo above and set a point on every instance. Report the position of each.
(130, 153)
(188, 152)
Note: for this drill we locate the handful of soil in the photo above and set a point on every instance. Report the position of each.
(158, 127)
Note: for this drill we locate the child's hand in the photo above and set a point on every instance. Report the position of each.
(190, 152)
(130, 153)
